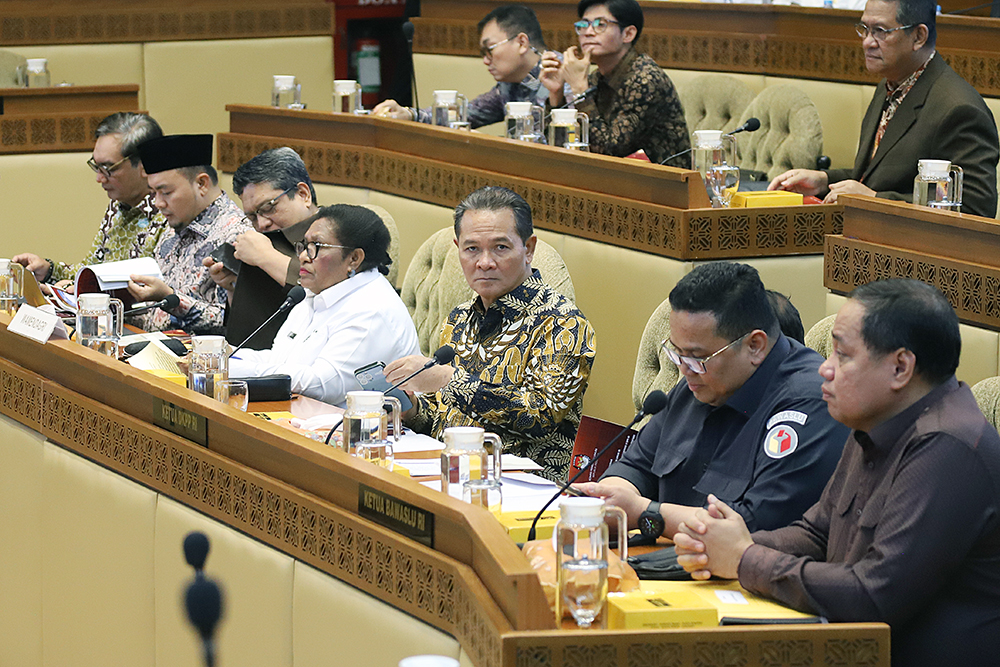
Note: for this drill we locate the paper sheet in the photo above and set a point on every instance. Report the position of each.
(155, 356)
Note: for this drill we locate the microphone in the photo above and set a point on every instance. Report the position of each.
(295, 295)
(585, 94)
(171, 344)
(169, 303)
(442, 357)
(203, 603)
(655, 401)
(408, 34)
(752, 125)
(196, 550)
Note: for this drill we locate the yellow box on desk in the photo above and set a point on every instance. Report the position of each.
(176, 378)
(646, 610)
(517, 524)
(761, 199)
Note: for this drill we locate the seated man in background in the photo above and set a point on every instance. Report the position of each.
(921, 110)
(278, 198)
(749, 424)
(511, 43)
(523, 352)
(201, 218)
(132, 225)
(788, 316)
(907, 532)
(635, 106)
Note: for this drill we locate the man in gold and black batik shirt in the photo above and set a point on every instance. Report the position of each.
(523, 352)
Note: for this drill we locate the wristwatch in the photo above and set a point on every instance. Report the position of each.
(650, 521)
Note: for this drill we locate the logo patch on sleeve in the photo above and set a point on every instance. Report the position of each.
(780, 441)
(788, 416)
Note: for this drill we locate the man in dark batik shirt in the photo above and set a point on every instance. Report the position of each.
(511, 43)
(523, 352)
(907, 531)
(635, 105)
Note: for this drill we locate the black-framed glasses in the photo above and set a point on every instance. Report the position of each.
(487, 51)
(696, 364)
(105, 169)
(877, 32)
(267, 208)
(599, 25)
(311, 248)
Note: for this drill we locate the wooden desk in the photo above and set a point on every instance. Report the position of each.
(60, 118)
(302, 498)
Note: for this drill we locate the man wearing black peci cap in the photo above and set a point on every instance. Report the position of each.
(201, 218)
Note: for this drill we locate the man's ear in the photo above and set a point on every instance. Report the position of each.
(921, 34)
(628, 34)
(530, 248)
(757, 344)
(904, 367)
(203, 182)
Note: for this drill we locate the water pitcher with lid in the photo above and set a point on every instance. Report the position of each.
(365, 426)
(99, 322)
(938, 185)
(208, 363)
(11, 285)
(466, 457)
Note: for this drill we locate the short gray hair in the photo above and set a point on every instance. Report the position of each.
(496, 198)
(134, 129)
(281, 167)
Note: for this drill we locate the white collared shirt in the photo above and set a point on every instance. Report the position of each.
(331, 334)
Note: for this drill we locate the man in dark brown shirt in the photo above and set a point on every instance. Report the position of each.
(908, 529)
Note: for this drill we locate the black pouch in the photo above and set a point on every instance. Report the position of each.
(659, 565)
(268, 388)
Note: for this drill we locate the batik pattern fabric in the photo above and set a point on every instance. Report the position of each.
(126, 232)
(521, 369)
(636, 107)
(179, 255)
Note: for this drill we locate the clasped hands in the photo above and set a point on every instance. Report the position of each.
(571, 67)
(713, 543)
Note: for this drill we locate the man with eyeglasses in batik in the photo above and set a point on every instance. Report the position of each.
(747, 425)
(511, 44)
(921, 110)
(278, 198)
(634, 106)
(132, 225)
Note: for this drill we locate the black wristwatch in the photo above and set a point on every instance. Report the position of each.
(650, 522)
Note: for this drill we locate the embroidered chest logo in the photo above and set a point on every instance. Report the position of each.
(780, 441)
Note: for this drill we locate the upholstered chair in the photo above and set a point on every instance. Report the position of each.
(819, 336)
(790, 134)
(653, 370)
(9, 62)
(390, 224)
(714, 102)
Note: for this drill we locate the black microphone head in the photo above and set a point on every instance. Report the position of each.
(655, 401)
(175, 346)
(171, 302)
(203, 602)
(295, 295)
(408, 31)
(135, 348)
(444, 355)
(196, 549)
(752, 125)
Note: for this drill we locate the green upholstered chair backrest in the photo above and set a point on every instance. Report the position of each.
(790, 134)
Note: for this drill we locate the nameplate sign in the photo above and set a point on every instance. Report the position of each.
(394, 514)
(33, 323)
(180, 422)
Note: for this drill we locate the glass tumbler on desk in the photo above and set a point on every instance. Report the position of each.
(286, 92)
(11, 285)
(208, 364)
(234, 393)
(99, 322)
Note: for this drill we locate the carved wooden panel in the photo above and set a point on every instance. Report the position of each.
(150, 21)
(49, 133)
(972, 289)
(403, 574)
(20, 395)
(676, 233)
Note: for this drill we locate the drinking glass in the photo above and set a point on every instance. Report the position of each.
(233, 393)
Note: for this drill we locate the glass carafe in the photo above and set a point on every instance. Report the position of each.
(99, 322)
(208, 363)
(465, 457)
(524, 121)
(711, 149)
(286, 93)
(450, 108)
(11, 285)
(569, 128)
(36, 73)
(347, 96)
(581, 544)
(365, 425)
(721, 182)
(938, 185)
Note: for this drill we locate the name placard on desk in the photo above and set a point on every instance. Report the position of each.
(33, 323)
(394, 514)
(180, 422)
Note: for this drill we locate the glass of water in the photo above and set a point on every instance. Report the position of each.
(483, 493)
(376, 451)
(233, 393)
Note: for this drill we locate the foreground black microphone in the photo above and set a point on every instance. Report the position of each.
(655, 401)
(442, 357)
(408, 34)
(752, 125)
(295, 295)
(169, 303)
(196, 550)
(203, 597)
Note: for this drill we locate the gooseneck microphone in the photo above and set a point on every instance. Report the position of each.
(582, 96)
(196, 550)
(655, 401)
(442, 357)
(169, 303)
(752, 125)
(203, 597)
(408, 34)
(295, 295)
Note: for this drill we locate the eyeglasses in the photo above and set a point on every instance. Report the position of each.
(105, 169)
(696, 364)
(267, 208)
(487, 51)
(879, 33)
(312, 248)
(599, 25)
